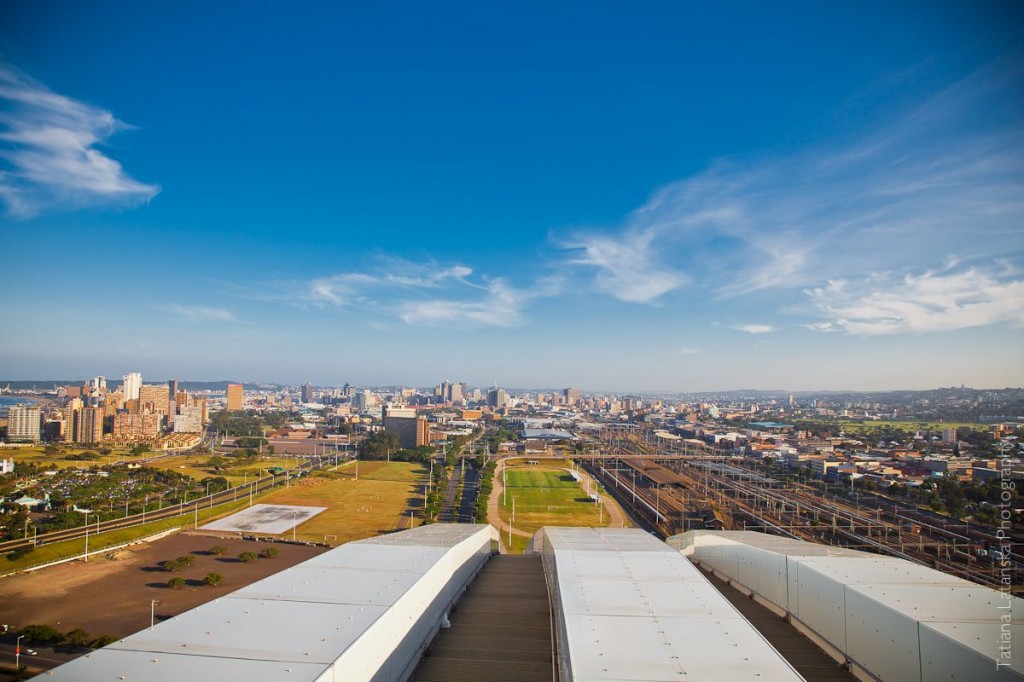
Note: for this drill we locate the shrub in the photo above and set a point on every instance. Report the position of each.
(102, 641)
(171, 565)
(43, 634)
(77, 637)
(218, 550)
(213, 579)
(246, 557)
(186, 560)
(269, 552)
(176, 582)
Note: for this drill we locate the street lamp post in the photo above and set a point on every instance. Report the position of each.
(17, 652)
(86, 536)
(152, 612)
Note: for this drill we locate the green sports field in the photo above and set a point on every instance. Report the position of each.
(548, 497)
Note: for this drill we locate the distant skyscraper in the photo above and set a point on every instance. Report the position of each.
(24, 423)
(99, 383)
(571, 395)
(132, 384)
(497, 397)
(307, 393)
(172, 390)
(235, 398)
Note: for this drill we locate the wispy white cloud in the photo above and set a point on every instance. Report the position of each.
(689, 351)
(422, 294)
(626, 267)
(500, 306)
(933, 301)
(203, 313)
(943, 179)
(352, 287)
(51, 151)
(754, 328)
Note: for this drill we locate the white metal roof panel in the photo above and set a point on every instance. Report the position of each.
(144, 666)
(664, 648)
(632, 608)
(305, 618)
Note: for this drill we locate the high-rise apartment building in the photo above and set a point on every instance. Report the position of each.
(307, 393)
(136, 426)
(132, 384)
(235, 398)
(172, 391)
(572, 396)
(24, 424)
(90, 425)
(153, 398)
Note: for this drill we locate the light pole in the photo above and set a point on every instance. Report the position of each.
(87, 536)
(17, 652)
(152, 612)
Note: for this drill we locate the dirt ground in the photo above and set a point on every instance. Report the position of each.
(112, 596)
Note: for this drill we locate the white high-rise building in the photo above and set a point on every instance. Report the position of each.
(132, 384)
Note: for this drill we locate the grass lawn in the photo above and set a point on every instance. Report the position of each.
(113, 538)
(356, 509)
(859, 427)
(547, 497)
(192, 465)
(35, 455)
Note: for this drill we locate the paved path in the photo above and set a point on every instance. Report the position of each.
(492, 505)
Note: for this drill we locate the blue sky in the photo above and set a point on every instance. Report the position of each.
(671, 196)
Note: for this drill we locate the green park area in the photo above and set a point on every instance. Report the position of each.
(357, 508)
(868, 428)
(235, 470)
(546, 496)
(67, 456)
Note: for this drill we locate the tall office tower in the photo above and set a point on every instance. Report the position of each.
(172, 390)
(235, 398)
(455, 394)
(99, 383)
(572, 395)
(497, 397)
(24, 424)
(132, 384)
(90, 425)
(153, 397)
(307, 393)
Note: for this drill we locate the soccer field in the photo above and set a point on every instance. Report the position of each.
(548, 497)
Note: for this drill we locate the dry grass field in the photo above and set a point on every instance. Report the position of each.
(356, 508)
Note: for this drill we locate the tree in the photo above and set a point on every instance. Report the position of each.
(218, 550)
(43, 634)
(171, 565)
(77, 637)
(213, 579)
(186, 560)
(177, 582)
(246, 557)
(102, 641)
(269, 552)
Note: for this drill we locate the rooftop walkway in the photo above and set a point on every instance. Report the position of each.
(500, 628)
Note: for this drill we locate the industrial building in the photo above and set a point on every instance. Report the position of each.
(437, 603)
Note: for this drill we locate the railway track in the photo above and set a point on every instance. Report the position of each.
(663, 493)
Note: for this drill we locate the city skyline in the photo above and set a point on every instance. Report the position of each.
(682, 200)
